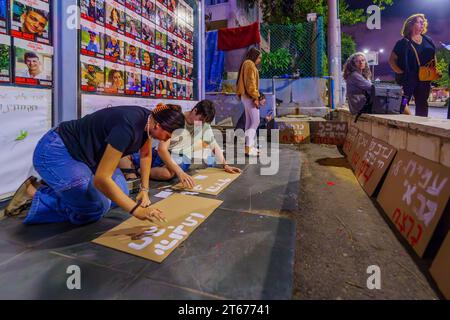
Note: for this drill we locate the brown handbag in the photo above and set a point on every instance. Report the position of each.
(428, 72)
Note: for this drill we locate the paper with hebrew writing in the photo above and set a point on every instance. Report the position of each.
(210, 181)
(157, 241)
(414, 196)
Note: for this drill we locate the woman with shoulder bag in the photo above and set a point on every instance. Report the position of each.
(413, 59)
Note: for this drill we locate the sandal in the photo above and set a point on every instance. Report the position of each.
(21, 200)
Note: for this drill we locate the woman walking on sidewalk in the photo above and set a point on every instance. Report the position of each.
(413, 59)
(247, 89)
(78, 161)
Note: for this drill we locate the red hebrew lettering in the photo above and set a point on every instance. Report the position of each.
(396, 215)
(368, 173)
(415, 240)
(411, 219)
(355, 158)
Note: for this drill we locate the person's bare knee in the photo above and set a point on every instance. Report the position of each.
(162, 173)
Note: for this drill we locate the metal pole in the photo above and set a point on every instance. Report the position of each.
(333, 47)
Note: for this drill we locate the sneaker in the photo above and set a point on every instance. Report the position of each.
(20, 199)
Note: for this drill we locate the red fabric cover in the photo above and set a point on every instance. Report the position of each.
(237, 38)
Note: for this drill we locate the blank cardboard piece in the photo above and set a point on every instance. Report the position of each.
(414, 196)
(349, 142)
(210, 181)
(440, 269)
(293, 131)
(328, 132)
(157, 241)
(373, 165)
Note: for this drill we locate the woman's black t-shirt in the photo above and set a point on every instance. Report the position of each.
(122, 127)
(407, 60)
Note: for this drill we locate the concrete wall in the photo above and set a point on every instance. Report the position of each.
(426, 137)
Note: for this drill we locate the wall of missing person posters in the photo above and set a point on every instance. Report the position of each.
(130, 52)
(26, 52)
(138, 49)
(26, 74)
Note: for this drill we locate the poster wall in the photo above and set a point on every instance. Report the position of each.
(25, 116)
(148, 46)
(26, 51)
(3, 16)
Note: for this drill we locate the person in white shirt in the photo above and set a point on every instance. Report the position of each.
(34, 67)
(174, 156)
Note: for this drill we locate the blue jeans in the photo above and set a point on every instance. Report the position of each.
(70, 195)
(183, 161)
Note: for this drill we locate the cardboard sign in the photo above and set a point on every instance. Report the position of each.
(293, 131)
(156, 242)
(328, 132)
(352, 134)
(210, 181)
(414, 196)
(359, 148)
(373, 165)
(441, 266)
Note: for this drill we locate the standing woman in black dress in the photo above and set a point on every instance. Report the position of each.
(78, 161)
(413, 51)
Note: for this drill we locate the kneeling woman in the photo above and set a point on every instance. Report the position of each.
(78, 163)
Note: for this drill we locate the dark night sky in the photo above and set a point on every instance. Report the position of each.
(436, 11)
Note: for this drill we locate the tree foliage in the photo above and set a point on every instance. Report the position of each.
(295, 11)
(348, 47)
(443, 58)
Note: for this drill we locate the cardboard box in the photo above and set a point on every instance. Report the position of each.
(293, 130)
(414, 196)
(328, 132)
(440, 269)
(156, 241)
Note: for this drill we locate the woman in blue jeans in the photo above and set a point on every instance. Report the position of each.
(78, 161)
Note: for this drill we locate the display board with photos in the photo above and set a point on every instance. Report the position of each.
(26, 51)
(138, 47)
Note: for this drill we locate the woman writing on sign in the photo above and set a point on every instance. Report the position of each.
(247, 88)
(78, 162)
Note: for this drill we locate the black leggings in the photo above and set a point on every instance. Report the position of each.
(420, 90)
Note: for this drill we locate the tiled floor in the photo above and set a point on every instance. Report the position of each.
(245, 250)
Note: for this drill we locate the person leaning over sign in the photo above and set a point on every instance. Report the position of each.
(247, 89)
(78, 161)
(413, 59)
(174, 157)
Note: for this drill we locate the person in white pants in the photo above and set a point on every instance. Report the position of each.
(247, 88)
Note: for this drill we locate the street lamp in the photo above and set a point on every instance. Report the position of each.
(372, 59)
